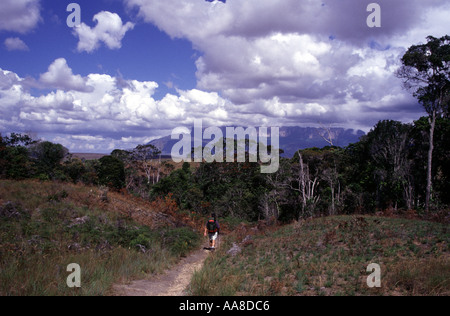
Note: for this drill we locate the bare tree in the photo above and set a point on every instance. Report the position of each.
(327, 135)
(306, 186)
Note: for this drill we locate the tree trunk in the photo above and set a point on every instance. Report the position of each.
(302, 182)
(409, 194)
(333, 207)
(432, 121)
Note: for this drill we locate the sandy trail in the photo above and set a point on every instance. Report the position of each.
(173, 283)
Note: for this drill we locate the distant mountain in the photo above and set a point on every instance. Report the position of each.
(291, 139)
(294, 138)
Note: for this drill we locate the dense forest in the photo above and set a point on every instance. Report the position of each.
(386, 170)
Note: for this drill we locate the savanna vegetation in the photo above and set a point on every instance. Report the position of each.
(132, 213)
(330, 256)
(45, 226)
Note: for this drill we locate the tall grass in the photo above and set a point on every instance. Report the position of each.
(329, 256)
(44, 227)
(46, 275)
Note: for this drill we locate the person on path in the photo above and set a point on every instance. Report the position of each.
(212, 229)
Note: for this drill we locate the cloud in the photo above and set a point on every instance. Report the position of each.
(261, 63)
(120, 113)
(19, 16)
(298, 61)
(60, 76)
(119, 110)
(8, 79)
(109, 30)
(15, 43)
(345, 19)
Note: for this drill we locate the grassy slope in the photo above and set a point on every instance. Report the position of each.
(329, 256)
(49, 226)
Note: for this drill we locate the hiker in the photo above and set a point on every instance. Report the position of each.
(212, 229)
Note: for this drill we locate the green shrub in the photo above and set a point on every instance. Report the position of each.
(181, 240)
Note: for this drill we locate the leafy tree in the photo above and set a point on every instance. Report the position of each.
(14, 156)
(3, 150)
(19, 140)
(389, 150)
(276, 199)
(143, 155)
(48, 156)
(426, 71)
(177, 183)
(111, 172)
(123, 155)
(90, 175)
(441, 158)
(75, 169)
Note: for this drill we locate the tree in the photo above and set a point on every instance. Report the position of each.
(330, 173)
(75, 169)
(144, 155)
(177, 183)
(111, 172)
(14, 156)
(426, 71)
(441, 158)
(305, 180)
(48, 156)
(3, 150)
(389, 147)
(276, 192)
(19, 140)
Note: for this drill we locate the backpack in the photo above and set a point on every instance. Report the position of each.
(211, 226)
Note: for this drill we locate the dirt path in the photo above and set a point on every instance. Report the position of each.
(173, 283)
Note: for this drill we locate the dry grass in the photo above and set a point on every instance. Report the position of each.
(46, 226)
(329, 256)
(420, 277)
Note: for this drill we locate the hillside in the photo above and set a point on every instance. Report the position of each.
(330, 256)
(46, 226)
(117, 238)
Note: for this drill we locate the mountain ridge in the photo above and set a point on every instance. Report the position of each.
(292, 139)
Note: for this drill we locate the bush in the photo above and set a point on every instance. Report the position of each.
(181, 241)
(141, 240)
(111, 172)
(48, 156)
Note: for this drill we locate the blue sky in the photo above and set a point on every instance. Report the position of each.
(144, 67)
(146, 52)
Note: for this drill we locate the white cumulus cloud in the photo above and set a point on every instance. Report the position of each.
(109, 30)
(60, 76)
(301, 61)
(121, 111)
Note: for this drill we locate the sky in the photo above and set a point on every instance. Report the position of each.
(133, 70)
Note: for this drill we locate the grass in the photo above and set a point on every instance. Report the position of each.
(46, 226)
(329, 256)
